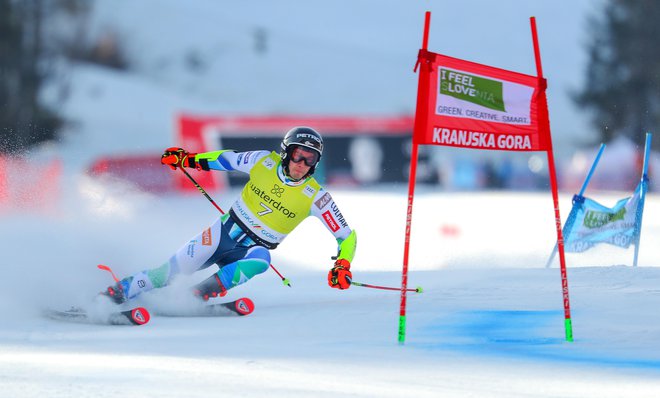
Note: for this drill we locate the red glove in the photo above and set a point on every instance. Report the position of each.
(178, 157)
(340, 275)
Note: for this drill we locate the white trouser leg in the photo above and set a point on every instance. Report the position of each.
(188, 259)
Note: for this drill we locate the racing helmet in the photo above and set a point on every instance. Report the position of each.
(305, 137)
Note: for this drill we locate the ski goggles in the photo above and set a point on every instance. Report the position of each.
(299, 154)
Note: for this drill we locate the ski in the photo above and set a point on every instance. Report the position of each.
(241, 307)
(135, 316)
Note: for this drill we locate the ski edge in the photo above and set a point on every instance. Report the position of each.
(239, 307)
(137, 316)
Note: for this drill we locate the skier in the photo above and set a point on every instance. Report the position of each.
(279, 195)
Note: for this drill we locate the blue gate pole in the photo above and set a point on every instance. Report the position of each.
(578, 200)
(642, 195)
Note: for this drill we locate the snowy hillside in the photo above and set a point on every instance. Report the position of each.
(335, 58)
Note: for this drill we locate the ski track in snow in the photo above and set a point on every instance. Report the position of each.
(479, 328)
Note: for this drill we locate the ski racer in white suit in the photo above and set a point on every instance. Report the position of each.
(279, 195)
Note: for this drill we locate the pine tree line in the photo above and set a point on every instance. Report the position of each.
(23, 120)
(34, 36)
(622, 85)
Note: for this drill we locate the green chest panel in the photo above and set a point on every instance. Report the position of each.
(279, 206)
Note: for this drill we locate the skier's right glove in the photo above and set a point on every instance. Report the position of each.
(340, 276)
(178, 157)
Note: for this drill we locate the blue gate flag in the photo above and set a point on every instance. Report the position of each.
(595, 223)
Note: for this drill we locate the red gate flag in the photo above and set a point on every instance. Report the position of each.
(472, 105)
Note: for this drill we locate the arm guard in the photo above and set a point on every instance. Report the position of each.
(213, 160)
(346, 250)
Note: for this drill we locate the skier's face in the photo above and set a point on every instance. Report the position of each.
(300, 158)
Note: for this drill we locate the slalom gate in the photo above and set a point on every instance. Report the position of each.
(469, 105)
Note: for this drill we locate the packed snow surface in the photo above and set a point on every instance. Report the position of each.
(490, 321)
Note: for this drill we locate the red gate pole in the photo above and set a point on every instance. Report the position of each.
(545, 123)
(421, 115)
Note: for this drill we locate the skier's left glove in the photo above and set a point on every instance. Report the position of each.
(178, 157)
(340, 276)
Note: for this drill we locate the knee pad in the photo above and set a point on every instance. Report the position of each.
(256, 261)
(259, 252)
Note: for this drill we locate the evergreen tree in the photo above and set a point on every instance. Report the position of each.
(23, 120)
(622, 87)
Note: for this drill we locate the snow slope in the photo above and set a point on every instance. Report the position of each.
(488, 323)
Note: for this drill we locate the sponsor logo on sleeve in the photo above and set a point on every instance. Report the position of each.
(325, 199)
(247, 157)
(338, 215)
(206, 238)
(327, 217)
(309, 191)
(190, 251)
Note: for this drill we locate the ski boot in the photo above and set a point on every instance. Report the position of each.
(115, 293)
(211, 287)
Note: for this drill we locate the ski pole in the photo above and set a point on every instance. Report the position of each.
(285, 281)
(106, 268)
(200, 189)
(418, 289)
